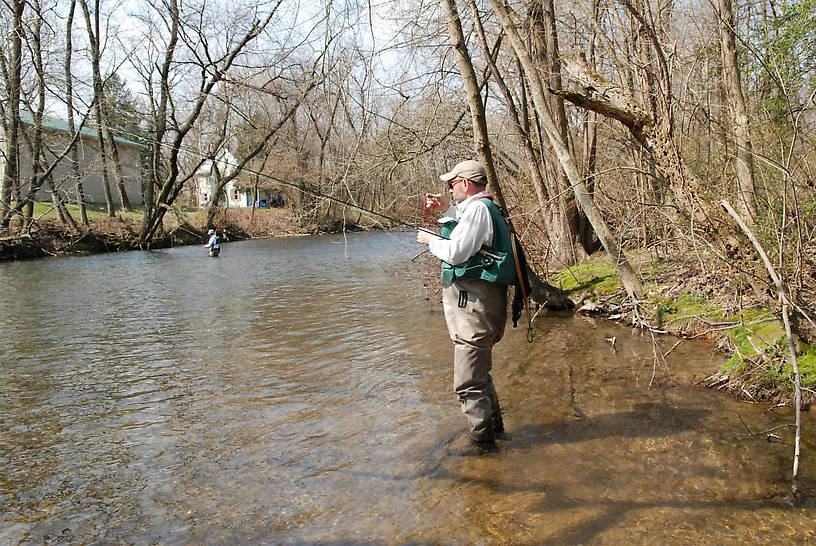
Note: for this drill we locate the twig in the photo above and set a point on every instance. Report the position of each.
(761, 432)
(783, 299)
(750, 432)
(701, 334)
(537, 312)
(673, 348)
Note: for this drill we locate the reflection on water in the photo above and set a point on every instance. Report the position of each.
(299, 390)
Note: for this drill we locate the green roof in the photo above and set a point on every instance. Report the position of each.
(61, 125)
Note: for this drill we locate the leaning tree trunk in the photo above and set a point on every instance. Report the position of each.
(630, 280)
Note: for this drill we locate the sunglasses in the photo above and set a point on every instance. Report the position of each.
(453, 182)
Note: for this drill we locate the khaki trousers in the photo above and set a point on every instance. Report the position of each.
(475, 312)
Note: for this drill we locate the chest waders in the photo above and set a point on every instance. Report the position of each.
(500, 262)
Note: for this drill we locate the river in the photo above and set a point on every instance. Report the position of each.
(298, 391)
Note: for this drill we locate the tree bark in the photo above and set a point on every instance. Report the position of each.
(477, 113)
(744, 159)
(69, 102)
(630, 280)
(11, 178)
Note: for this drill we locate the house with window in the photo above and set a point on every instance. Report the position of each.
(235, 194)
(56, 137)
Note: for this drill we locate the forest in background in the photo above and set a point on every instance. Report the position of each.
(658, 131)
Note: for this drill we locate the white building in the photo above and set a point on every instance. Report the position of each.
(234, 195)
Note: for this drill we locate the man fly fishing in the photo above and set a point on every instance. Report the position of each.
(477, 266)
(213, 244)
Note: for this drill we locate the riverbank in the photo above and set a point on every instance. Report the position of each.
(686, 299)
(49, 237)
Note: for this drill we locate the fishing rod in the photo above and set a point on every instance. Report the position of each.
(314, 193)
(425, 209)
(297, 187)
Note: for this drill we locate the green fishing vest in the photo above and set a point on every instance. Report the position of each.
(493, 263)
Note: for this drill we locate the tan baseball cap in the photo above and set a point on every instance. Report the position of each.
(470, 169)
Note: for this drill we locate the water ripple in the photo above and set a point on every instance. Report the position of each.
(291, 392)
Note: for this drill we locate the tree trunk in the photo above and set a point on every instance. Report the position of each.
(566, 214)
(69, 101)
(628, 277)
(520, 123)
(11, 178)
(744, 161)
(117, 166)
(215, 202)
(93, 38)
(35, 139)
(159, 126)
(477, 113)
(590, 145)
(59, 205)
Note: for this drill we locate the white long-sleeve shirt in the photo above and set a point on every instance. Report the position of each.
(475, 228)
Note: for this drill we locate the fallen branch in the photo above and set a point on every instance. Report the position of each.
(784, 301)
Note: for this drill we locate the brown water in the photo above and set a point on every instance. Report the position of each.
(299, 391)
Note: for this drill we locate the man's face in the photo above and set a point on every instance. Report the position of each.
(458, 189)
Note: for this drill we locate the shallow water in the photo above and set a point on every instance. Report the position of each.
(299, 391)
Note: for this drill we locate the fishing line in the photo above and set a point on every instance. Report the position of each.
(314, 193)
(299, 188)
(320, 195)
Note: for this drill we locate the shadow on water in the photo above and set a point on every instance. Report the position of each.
(610, 513)
(605, 495)
(648, 419)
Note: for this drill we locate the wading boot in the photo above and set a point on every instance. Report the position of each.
(478, 443)
(483, 440)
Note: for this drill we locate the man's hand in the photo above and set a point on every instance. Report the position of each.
(424, 237)
(435, 201)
